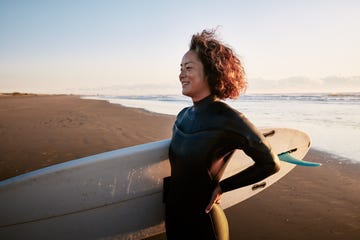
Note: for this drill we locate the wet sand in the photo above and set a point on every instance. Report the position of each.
(309, 203)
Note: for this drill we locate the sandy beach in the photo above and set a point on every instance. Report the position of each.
(309, 203)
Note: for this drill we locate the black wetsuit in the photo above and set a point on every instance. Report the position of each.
(204, 137)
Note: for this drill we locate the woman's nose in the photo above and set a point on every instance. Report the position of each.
(182, 74)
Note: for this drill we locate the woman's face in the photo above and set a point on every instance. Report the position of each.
(192, 77)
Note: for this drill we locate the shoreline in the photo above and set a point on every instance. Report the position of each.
(333, 130)
(313, 203)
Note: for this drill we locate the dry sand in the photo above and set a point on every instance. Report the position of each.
(309, 203)
(38, 131)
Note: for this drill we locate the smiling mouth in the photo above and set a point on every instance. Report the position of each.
(185, 83)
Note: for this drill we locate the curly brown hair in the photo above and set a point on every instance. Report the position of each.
(224, 71)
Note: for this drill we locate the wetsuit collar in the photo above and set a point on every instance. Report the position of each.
(205, 101)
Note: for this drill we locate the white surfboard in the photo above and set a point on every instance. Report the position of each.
(116, 193)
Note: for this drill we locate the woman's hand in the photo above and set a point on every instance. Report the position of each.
(215, 198)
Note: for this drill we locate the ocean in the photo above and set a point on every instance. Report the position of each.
(332, 120)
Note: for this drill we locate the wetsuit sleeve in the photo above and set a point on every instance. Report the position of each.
(254, 144)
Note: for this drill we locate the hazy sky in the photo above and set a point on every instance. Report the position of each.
(108, 46)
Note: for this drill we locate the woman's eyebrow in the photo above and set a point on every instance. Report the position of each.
(185, 63)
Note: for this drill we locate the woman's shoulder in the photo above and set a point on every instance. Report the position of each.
(226, 110)
(234, 120)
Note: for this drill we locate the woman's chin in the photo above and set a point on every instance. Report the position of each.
(186, 93)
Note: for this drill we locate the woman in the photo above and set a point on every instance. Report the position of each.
(204, 137)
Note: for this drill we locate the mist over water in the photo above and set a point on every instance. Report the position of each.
(331, 120)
